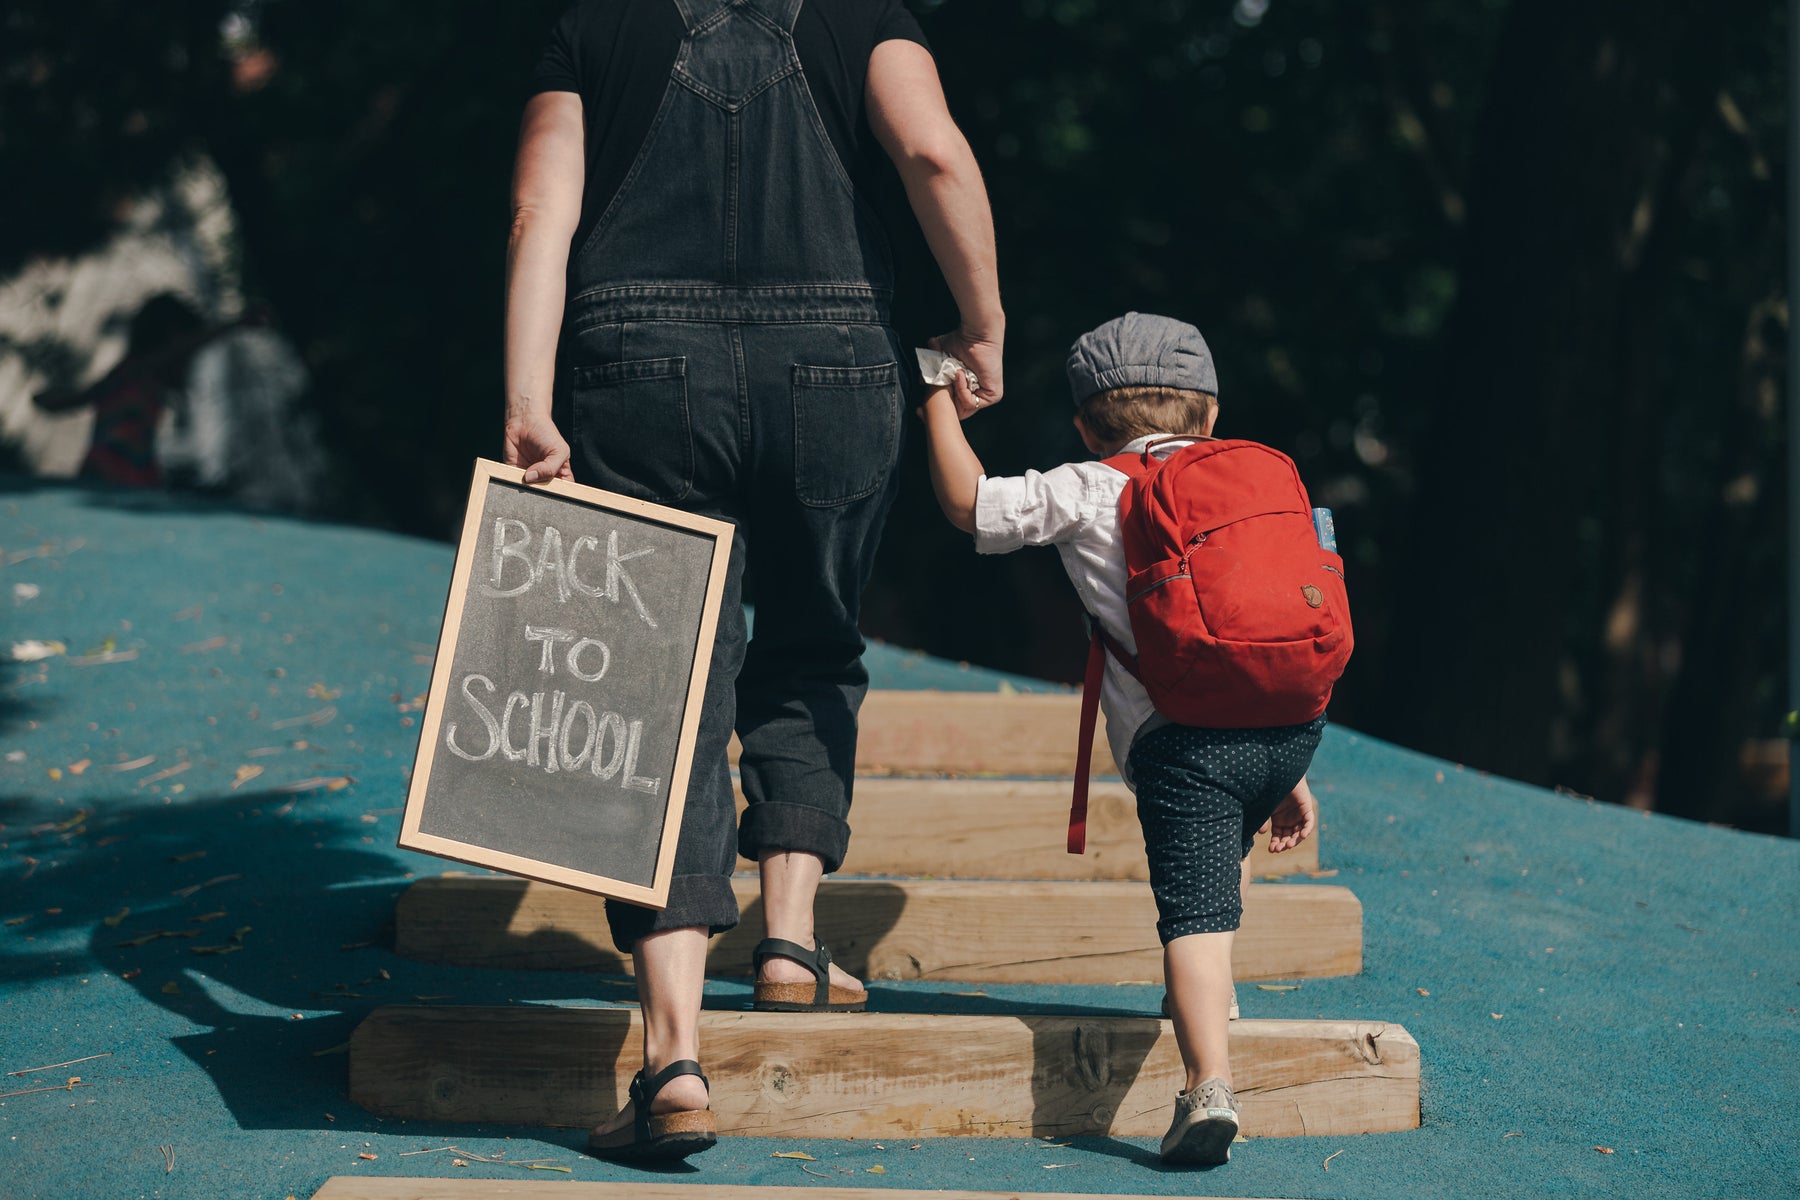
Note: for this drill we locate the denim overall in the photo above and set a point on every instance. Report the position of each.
(729, 353)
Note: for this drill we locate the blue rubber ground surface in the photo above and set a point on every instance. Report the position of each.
(1578, 976)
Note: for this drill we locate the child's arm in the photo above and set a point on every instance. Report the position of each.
(1294, 819)
(955, 471)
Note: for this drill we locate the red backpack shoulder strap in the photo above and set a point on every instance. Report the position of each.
(1132, 466)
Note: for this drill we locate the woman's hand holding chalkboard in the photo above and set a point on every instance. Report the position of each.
(534, 443)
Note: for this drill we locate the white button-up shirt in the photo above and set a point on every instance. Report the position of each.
(1075, 507)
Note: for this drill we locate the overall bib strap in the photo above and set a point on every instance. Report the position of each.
(780, 12)
(697, 13)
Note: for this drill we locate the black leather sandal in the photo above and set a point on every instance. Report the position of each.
(819, 996)
(658, 1137)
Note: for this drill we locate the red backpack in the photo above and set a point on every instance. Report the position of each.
(1240, 616)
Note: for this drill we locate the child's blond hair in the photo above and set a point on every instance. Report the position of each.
(1124, 414)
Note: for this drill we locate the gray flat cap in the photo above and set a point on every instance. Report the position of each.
(1141, 350)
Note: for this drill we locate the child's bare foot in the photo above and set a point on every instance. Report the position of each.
(1294, 819)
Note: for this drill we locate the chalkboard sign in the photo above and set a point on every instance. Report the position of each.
(560, 724)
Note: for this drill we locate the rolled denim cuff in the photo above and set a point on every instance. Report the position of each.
(772, 826)
(693, 900)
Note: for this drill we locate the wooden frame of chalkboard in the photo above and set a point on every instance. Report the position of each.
(583, 621)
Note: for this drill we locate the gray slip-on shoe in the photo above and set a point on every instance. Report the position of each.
(1206, 1122)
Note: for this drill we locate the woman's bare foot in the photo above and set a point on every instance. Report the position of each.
(684, 1093)
(786, 970)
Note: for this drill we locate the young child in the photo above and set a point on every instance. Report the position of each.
(1146, 381)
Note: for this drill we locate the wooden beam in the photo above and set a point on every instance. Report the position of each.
(983, 828)
(978, 932)
(346, 1187)
(972, 733)
(882, 1074)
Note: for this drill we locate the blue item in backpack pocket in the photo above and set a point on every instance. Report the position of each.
(1327, 531)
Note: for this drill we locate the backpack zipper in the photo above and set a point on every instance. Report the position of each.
(1194, 543)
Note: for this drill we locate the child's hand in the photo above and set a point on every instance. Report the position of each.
(1294, 819)
(934, 394)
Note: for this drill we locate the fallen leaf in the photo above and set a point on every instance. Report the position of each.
(878, 1169)
(1498, 1016)
(547, 1167)
(131, 974)
(1504, 1136)
(55, 773)
(1277, 987)
(318, 718)
(112, 922)
(160, 933)
(36, 651)
(188, 857)
(76, 768)
(107, 655)
(192, 888)
(1604, 1149)
(163, 774)
(319, 691)
(231, 948)
(800, 1154)
(459, 1162)
(171, 988)
(245, 774)
(331, 783)
(203, 918)
(136, 764)
(18, 920)
(366, 1155)
(1422, 991)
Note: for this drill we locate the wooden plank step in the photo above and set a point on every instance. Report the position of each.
(972, 733)
(978, 828)
(346, 1187)
(977, 932)
(882, 1074)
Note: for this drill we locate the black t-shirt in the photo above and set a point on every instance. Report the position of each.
(618, 54)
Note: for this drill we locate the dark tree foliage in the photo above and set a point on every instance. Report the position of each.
(1504, 277)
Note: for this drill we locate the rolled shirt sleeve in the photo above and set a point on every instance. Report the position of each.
(1037, 508)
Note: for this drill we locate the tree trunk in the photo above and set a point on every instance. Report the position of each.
(1515, 542)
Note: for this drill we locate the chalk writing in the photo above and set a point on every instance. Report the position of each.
(608, 743)
(547, 661)
(512, 543)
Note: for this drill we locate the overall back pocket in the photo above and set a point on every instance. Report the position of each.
(846, 432)
(630, 428)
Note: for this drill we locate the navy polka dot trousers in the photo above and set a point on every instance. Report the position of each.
(1202, 794)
